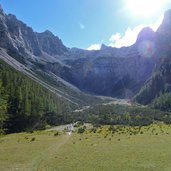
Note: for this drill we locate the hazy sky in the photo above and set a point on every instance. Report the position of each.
(88, 23)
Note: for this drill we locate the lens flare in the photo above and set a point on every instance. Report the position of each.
(146, 49)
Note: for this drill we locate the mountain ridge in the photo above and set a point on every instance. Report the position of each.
(110, 71)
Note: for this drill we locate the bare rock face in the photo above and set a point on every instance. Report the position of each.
(1, 10)
(166, 23)
(118, 72)
(111, 71)
(163, 38)
(19, 38)
(112, 76)
(23, 36)
(146, 34)
(51, 44)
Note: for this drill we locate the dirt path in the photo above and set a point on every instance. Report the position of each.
(47, 153)
(58, 128)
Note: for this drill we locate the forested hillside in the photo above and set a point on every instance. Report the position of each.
(26, 105)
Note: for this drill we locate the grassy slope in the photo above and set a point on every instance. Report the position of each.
(88, 152)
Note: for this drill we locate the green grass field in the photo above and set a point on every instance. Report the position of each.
(126, 149)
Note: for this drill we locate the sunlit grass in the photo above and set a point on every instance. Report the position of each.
(125, 148)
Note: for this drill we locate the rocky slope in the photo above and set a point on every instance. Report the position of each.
(26, 51)
(109, 71)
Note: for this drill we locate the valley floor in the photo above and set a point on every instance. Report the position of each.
(126, 149)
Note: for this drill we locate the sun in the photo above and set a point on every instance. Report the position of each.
(145, 7)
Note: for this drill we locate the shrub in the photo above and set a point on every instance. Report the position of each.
(81, 130)
(56, 133)
(33, 139)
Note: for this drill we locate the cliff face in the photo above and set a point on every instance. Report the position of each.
(50, 44)
(163, 38)
(109, 71)
(19, 38)
(113, 76)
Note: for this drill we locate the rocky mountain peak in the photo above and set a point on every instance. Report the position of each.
(165, 27)
(11, 16)
(50, 43)
(167, 18)
(1, 10)
(22, 39)
(163, 36)
(103, 47)
(47, 32)
(146, 34)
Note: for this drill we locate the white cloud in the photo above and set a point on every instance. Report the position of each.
(82, 26)
(130, 35)
(115, 37)
(94, 47)
(128, 38)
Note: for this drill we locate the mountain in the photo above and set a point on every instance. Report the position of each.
(116, 72)
(157, 89)
(30, 52)
(109, 71)
(50, 44)
(17, 37)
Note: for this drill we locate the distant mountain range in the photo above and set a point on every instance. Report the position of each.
(115, 72)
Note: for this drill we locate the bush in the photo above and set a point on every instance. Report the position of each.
(81, 130)
(56, 134)
(33, 139)
(93, 130)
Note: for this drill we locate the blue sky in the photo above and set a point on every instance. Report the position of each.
(82, 23)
